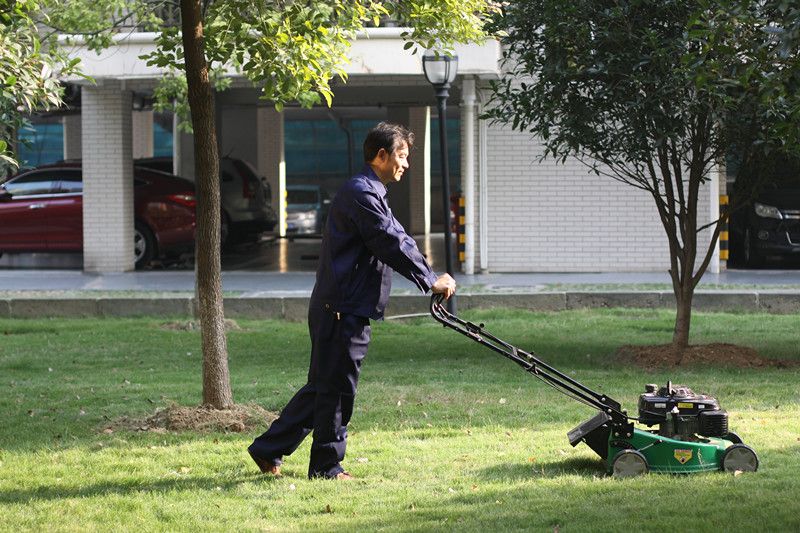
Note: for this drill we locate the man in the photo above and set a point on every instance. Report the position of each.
(361, 245)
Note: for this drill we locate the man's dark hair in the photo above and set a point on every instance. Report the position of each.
(387, 136)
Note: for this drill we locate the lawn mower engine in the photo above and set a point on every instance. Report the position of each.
(681, 414)
(692, 436)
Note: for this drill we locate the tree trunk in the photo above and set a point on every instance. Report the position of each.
(216, 378)
(683, 319)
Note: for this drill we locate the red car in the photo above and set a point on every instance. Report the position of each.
(41, 210)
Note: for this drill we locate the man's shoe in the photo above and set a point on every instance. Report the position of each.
(266, 467)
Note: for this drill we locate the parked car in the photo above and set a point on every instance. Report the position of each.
(306, 209)
(246, 208)
(770, 226)
(41, 210)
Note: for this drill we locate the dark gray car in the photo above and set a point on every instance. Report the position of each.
(246, 208)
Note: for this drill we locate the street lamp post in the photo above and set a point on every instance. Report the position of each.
(440, 71)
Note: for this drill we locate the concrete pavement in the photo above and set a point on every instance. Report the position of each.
(40, 293)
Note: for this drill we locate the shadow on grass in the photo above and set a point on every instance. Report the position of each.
(103, 488)
(581, 466)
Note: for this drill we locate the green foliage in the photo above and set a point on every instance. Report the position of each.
(293, 50)
(654, 93)
(27, 80)
(170, 95)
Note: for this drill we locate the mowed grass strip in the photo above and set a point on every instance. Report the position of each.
(446, 434)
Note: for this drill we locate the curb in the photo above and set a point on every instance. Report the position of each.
(296, 307)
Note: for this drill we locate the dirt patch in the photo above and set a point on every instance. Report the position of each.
(718, 354)
(194, 325)
(239, 418)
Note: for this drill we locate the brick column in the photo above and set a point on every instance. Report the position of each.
(107, 179)
(271, 161)
(142, 133)
(72, 136)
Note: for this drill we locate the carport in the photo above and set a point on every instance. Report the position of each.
(385, 82)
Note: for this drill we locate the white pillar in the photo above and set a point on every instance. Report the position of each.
(420, 184)
(468, 173)
(107, 178)
(483, 178)
(142, 122)
(72, 136)
(717, 177)
(183, 153)
(271, 161)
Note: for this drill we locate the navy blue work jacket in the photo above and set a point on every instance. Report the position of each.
(362, 243)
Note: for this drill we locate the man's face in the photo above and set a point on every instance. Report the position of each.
(390, 167)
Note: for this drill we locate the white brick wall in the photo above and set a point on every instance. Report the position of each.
(549, 217)
(107, 179)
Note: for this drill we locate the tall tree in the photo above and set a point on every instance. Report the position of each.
(654, 93)
(291, 50)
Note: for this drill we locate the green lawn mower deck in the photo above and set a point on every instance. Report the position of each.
(687, 432)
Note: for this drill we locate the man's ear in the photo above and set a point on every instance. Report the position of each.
(382, 154)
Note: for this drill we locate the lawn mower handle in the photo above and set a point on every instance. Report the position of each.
(529, 362)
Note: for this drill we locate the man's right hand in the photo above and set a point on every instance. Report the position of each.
(446, 285)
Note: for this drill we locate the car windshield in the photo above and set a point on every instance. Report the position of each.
(301, 196)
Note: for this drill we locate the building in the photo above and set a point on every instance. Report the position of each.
(521, 215)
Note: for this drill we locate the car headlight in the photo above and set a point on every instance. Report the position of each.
(767, 211)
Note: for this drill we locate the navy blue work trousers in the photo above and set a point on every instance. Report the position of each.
(324, 404)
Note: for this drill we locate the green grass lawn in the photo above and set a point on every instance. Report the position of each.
(446, 435)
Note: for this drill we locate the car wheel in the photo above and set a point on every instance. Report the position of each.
(751, 256)
(144, 245)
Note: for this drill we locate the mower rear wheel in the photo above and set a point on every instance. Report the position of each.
(739, 458)
(733, 437)
(629, 463)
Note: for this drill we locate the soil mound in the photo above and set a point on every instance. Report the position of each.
(717, 354)
(203, 418)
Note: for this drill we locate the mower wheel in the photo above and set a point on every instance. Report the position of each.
(733, 437)
(629, 463)
(741, 458)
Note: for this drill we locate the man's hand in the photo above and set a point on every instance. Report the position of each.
(446, 285)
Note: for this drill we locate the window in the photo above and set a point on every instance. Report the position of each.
(71, 182)
(33, 184)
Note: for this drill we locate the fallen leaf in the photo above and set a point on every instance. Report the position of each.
(81, 412)
(451, 490)
(737, 473)
(362, 460)
(49, 369)
(412, 507)
(503, 400)
(531, 459)
(108, 431)
(474, 487)
(508, 433)
(328, 509)
(399, 402)
(185, 470)
(292, 486)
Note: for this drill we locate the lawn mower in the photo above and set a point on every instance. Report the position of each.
(692, 432)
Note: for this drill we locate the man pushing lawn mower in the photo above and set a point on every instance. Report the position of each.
(361, 244)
